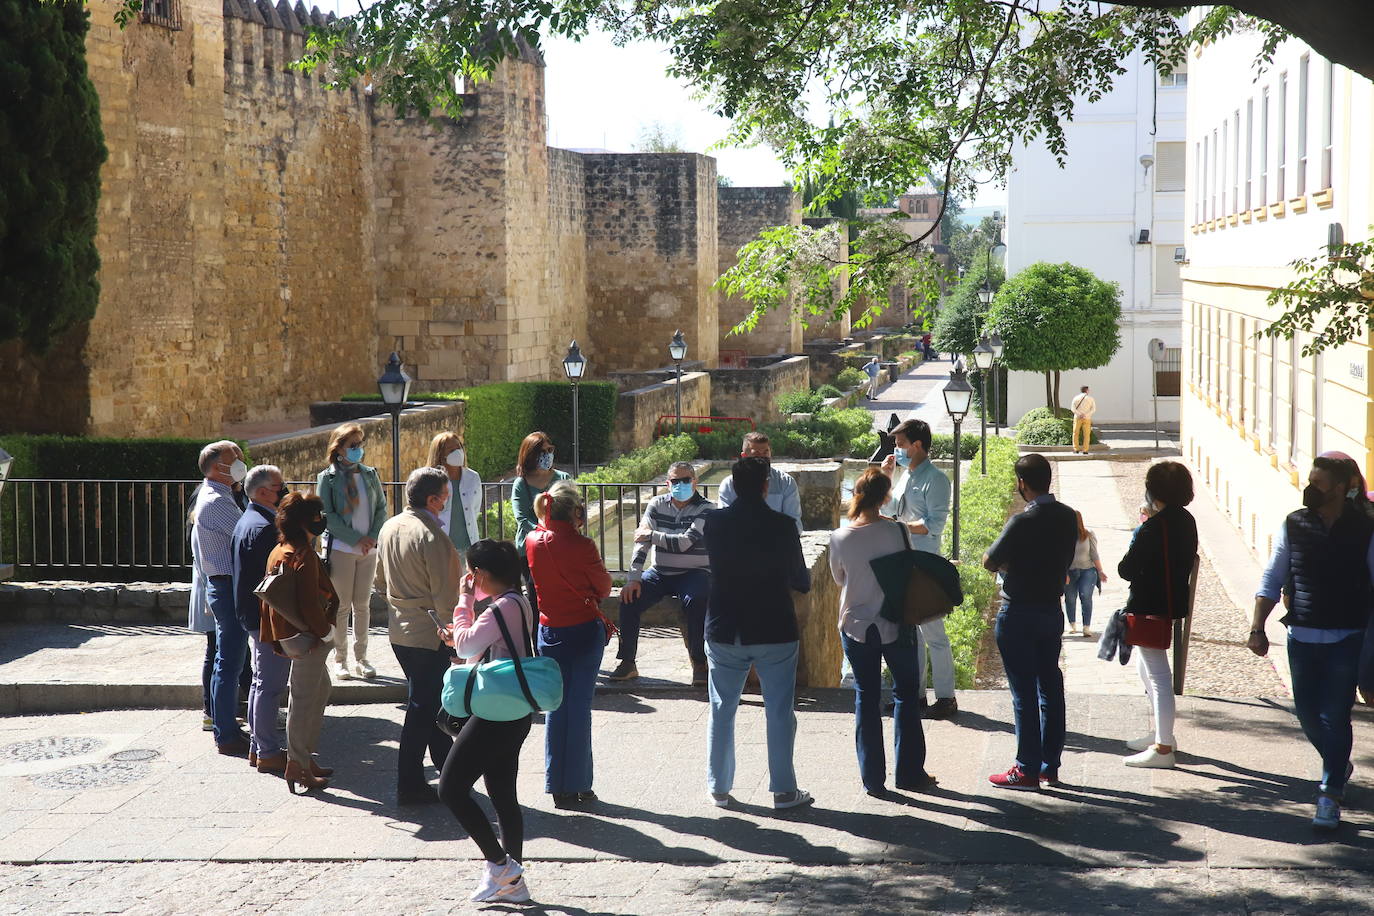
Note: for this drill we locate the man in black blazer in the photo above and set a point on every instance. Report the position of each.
(756, 561)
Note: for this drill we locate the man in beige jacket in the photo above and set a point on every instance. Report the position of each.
(420, 571)
(1083, 406)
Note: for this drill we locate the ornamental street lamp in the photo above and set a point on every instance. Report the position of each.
(995, 341)
(394, 386)
(982, 358)
(958, 395)
(985, 292)
(677, 349)
(575, 365)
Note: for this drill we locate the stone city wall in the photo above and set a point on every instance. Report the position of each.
(743, 213)
(638, 410)
(754, 392)
(817, 327)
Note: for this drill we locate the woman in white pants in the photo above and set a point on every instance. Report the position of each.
(1158, 565)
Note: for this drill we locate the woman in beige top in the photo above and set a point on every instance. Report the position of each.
(1084, 575)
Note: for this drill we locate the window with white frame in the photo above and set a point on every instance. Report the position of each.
(1300, 179)
(1264, 150)
(1169, 166)
(1249, 153)
(1235, 162)
(1328, 112)
(1221, 167)
(1282, 155)
(1177, 79)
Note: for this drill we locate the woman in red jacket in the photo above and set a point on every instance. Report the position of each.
(570, 580)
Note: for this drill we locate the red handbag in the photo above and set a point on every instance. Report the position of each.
(1154, 632)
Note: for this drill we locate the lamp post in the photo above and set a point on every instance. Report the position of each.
(982, 358)
(394, 386)
(6, 462)
(677, 349)
(995, 341)
(958, 394)
(574, 365)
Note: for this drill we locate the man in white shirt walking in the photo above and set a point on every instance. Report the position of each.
(1083, 407)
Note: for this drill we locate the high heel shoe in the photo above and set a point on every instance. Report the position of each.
(317, 770)
(295, 773)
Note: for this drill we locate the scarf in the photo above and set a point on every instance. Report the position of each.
(350, 475)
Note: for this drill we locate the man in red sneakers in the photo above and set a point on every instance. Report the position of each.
(1032, 557)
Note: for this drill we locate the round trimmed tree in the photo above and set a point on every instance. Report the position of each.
(962, 318)
(1057, 317)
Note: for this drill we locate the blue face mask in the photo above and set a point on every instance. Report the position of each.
(545, 460)
(903, 460)
(355, 454)
(681, 491)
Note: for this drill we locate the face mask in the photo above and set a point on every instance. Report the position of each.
(238, 470)
(681, 491)
(545, 460)
(354, 454)
(455, 458)
(1312, 497)
(315, 526)
(903, 459)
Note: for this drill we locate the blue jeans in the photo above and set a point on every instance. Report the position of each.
(270, 675)
(568, 729)
(693, 587)
(866, 658)
(207, 671)
(1029, 639)
(424, 670)
(231, 649)
(776, 663)
(1324, 677)
(1080, 588)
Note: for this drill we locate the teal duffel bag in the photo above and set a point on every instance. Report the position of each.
(508, 688)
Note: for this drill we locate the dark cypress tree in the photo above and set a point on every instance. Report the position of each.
(51, 150)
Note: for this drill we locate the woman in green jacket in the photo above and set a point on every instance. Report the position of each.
(535, 473)
(354, 510)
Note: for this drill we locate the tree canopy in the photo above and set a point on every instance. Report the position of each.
(51, 147)
(963, 317)
(1057, 317)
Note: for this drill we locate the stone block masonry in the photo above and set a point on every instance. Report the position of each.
(638, 410)
(754, 392)
(743, 213)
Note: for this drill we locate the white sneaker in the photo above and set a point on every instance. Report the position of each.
(793, 799)
(498, 881)
(1141, 743)
(339, 671)
(1328, 816)
(1151, 759)
(366, 671)
(721, 799)
(847, 681)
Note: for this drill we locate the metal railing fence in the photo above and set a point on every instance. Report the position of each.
(123, 530)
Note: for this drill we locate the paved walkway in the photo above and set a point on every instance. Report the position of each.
(915, 394)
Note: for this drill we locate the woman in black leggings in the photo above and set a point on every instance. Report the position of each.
(484, 748)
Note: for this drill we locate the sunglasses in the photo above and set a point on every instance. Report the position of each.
(679, 480)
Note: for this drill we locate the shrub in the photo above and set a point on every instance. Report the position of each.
(1034, 414)
(850, 377)
(828, 391)
(863, 445)
(799, 401)
(1046, 431)
(829, 433)
(717, 445)
(942, 446)
(642, 464)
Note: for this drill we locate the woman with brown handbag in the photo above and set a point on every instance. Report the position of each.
(1158, 565)
(299, 518)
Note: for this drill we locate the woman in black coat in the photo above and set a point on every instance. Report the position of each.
(1158, 565)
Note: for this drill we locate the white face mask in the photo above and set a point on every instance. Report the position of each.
(238, 470)
(455, 458)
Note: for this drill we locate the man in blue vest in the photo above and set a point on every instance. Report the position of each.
(1324, 560)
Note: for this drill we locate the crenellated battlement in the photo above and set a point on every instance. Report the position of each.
(261, 40)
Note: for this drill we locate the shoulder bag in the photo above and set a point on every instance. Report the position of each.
(1155, 632)
(278, 589)
(508, 688)
(923, 599)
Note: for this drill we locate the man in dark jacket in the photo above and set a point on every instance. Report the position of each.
(756, 561)
(1033, 554)
(1324, 559)
(254, 537)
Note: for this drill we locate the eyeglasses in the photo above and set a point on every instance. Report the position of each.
(679, 479)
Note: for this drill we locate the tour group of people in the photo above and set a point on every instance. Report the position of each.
(734, 563)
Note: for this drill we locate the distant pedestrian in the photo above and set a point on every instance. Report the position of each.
(486, 748)
(873, 369)
(300, 519)
(920, 499)
(535, 473)
(783, 495)
(255, 537)
(869, 641)
(680, 569)
(1032, 557)
(459, 520)
(1083, 407)
(571, 580)
(1085, 574)
(1158, 565)
(419, 567)
(355, 509)
(1324, 556)
(756, 562)
(215, 515)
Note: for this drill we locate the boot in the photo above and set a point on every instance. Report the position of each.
(295, 773)
(273, 763)
(317, 770)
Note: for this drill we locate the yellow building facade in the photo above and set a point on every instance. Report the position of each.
(1279, 165)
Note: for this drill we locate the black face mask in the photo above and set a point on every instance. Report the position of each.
(315, 526)
(1312, 497)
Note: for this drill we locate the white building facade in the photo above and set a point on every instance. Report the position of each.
(1116, 208)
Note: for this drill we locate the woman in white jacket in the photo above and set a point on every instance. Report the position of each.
(447, 453)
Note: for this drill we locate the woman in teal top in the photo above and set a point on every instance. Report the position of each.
(354, 510)
(535, 473)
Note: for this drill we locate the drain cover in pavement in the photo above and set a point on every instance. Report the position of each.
(94, 775)
(134, 755)
(50, 748)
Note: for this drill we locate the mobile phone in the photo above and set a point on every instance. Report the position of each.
(434, 615)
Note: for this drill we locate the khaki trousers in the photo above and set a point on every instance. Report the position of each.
(305, 711)
(352, 575)
(1086, 426)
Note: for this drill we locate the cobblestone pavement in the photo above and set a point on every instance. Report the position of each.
(607, 888)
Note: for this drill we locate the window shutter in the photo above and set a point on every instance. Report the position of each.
(1169, 166)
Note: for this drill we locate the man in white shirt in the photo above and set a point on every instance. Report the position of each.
(1083, 407)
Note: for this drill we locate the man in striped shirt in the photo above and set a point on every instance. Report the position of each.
(672, 527)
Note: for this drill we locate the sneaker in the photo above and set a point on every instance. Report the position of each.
(1049, 777)
(1144, 742)
(942, 708)
(1073, 627)
(338, 671)
(1015, 778)
(207, 724)
(1087, 634)
(847, 681)
(699, 674)
(1151, 759)
(625, 671)
(366, 671)
(793, 799)
(1349, 772)
(1328, 816)
(498, 880)
(721, 799)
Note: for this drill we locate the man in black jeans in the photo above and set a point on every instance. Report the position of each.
(1033, 555)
